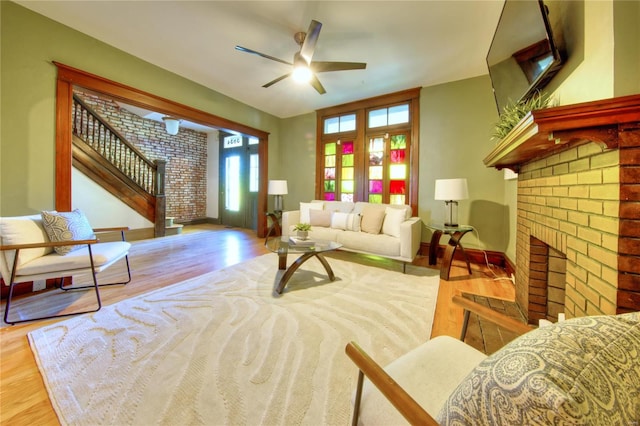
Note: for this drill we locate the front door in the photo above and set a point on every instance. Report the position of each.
(239, 167)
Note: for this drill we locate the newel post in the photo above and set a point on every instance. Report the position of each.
(159, 230)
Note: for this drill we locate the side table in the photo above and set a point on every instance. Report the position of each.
(456, 233)
(274, 229)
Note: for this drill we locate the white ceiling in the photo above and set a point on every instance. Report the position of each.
(405, 44)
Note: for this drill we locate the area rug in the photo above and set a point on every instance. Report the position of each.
(223, 349)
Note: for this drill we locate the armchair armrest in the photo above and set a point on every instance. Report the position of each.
(401, 400)
(410, 235)
(489, 314)
(47, 244)
(115, 228)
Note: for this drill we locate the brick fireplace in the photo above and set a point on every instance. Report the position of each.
(578, 213)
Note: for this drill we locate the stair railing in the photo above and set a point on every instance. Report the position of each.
(112, 146)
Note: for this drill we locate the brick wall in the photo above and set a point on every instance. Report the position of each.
(185, 154)
(570, 201)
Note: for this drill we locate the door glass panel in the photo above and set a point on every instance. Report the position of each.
(331, 125)
(232, 179)
(378, 117)
(348, 123)
(397, 199)
(398, 171)
(375, 198)
(253, 173)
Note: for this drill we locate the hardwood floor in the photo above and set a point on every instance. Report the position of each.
(200, 249)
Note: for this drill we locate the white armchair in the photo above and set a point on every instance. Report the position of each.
(580, 371)
(28, 254)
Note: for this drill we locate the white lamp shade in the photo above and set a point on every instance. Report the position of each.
(277, 187)
(451, 189)
(172, 125)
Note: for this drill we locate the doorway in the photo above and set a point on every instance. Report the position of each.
(239, 180)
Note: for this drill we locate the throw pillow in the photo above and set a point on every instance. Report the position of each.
(304, 210)
(67, 226)
(393, 218)
(372, 219)
(320, 218)
(581, 371)
(345, 221)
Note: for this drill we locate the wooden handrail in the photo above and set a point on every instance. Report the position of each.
(401, 400)
(489, 314)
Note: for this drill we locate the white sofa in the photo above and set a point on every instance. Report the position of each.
(386, 230)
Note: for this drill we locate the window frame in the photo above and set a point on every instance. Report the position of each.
(360, 137)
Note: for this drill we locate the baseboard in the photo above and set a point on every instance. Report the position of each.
(475, 256)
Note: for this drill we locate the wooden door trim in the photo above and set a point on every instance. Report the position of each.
(69, 77)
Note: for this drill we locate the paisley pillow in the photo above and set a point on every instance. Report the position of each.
(67, 226)
(581, 371)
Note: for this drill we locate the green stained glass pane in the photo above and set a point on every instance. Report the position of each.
(330, 161)
(347, 160)
(398, 171)
(376, 144)
(375, 198)
(397, 199)
(347, 173)
(329, 186)
(346, 186)
(375, 172)
(399, 142)
(330, 148)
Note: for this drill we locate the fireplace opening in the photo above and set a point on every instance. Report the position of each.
(547, 278)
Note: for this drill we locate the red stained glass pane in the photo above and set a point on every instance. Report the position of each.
(397, 155)
(397, 187)
(375, 187)
(347, 147)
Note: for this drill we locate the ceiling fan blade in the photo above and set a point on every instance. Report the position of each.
(309, 44)
(272, 82)
(264, 55)
(317, 85)
(320, 66)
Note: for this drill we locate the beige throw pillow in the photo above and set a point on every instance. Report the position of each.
(320, 218)
(304, 211)
(392, 220)
(67, 226)
(372, 219)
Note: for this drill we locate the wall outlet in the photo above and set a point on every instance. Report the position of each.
(39, 285)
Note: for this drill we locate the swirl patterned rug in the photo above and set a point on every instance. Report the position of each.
(221, 349)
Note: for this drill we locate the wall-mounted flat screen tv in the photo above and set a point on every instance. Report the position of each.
(523, 55)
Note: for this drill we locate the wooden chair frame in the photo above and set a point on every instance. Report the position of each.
(95, 285)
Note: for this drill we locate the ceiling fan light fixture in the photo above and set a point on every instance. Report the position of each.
(302, 74)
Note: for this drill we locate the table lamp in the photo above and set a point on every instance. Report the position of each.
(277, 188)
(450, 191)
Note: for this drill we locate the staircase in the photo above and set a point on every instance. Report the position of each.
(106, 157)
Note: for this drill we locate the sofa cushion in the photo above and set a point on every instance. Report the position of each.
(345, 221)
(304, 210)
(393, 218)
(320, 218)
(67, 226)
(372, 218)
(22, 230)
(339, 206)
(581, 371)
(380, 244)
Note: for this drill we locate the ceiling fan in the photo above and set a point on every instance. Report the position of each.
(303, 68)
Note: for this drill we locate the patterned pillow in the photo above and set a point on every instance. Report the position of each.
(67, 226)
(581, 371)
(345, 221)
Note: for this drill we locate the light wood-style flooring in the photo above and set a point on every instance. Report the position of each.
(200, 249)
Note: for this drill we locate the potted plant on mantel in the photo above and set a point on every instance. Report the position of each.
(302, 230)
(513, 113)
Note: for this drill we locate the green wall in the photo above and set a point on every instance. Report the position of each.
(28, 44)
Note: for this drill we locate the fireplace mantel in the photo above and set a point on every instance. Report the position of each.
(543, 131)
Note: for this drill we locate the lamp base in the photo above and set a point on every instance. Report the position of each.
(451, 217)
